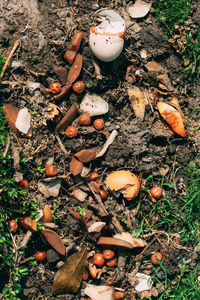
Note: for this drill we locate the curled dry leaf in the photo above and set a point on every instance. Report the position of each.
(68, 278)
(126, 236)
(75, 166)
(172, 117)
(87, 155)
(140, 9)
(161, 130)
(68, 118)
(61, 73)
(138, 100)
(75, 69)
(54, 240)
(29, 223)
(99, 292)
(113, 242)
(92, 270)
(73, 48)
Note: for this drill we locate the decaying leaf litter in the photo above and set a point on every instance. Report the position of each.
(142, 102)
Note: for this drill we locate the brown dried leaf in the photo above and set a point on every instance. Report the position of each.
(68, 118)
(73, 47)
(53, 110)
(54, 240)
(61, 73)
(75, 69)
(138, 101)
(113, 242)
(87, 155)
(75, 166)
(11, 113)
(159, 129)
(68, 278)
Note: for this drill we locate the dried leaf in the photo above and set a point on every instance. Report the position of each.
(113, 242)
(101, 292)
(29, 223)
(68, 118)
(140, 9)
(138, 101)
(68, 278)
(11, 113)
(75, 69)
(53, 110)
(161, 130)
(172, 117)
(61, 73)
(87, 155)
(75, 166)
(54, 240)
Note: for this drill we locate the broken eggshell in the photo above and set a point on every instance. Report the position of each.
(93, 105)
(107, 39)
(124, 182)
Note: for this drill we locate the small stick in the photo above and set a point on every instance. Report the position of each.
(97, 70)
(7, 147)
(61, 145)
(147, 246)
(98, 198)
(24, 242)
(16, 44)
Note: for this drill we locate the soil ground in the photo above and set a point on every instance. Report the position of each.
(44, 30)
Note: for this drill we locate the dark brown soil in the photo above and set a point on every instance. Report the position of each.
(44, 29)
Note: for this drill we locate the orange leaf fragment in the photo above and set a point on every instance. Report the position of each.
(29, 223)
(47, 214)
(87, 155)
(75, 69)
(172, 117)
(54, 240)
(68, 117)
(11, 113)
(71, 51)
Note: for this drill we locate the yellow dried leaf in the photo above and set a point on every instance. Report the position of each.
(138, 101)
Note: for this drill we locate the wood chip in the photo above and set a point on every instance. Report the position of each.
(87, 155)
(68, 118)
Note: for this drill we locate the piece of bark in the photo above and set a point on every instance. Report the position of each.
(75, 166)
(61, 73)
(73, 48)
(87, 155)
(79, 195)
(54, 240)
(68, 118)
(75, 69)
(76, 215)
(113, 242)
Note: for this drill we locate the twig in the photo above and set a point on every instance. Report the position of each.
(98, 198)
(61, 145)
(147, 246)
(16, 44)
(97, 70)
(7, 146)
(25, 242)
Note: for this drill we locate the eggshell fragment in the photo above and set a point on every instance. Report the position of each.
(126, 236)
(23, 122)
(94, 105)
(96, 227)
(124, 181)
(107, 39)
(140, 9)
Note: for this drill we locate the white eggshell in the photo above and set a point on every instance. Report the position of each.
(144, 283)
(94, 105)
(96, 227)
(106, 40)
(23, 122)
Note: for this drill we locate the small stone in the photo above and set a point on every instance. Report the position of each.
(52, 256)
(50, 188)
